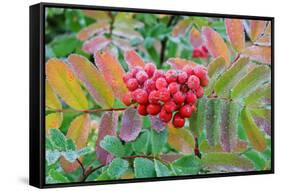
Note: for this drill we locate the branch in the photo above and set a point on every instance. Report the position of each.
(82, 166)
(86, 111)
(89, 171)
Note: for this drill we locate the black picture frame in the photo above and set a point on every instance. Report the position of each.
(37, 93)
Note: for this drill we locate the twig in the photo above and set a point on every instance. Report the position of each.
(82, 166)
(89, 171)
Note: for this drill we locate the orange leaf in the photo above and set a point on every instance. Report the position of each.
(92, 29)
(257, 27)
(64, 82)
(195, 38)
(181, 27)
(133, 59)
(97, 15)
(95, 44)
(112, 71)
(179, 63)
(259, 53)
(93, 80)
(78, 131)
(264, 40)
(52, 101)
(215, 44)
(235, 31)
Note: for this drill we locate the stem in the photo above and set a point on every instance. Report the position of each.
(89, 171)
(82, 166)
(87, 111)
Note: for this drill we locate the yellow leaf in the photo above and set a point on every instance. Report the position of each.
(215, 44)
(63, 81)
(53, 120)
(181, 139)
(52, 100)
(112, 71)
(78, 131)
(92, 79)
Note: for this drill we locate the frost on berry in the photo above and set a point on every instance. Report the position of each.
(165, 96)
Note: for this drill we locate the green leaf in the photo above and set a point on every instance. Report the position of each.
(213, 121)
(254, 134)
(70, 145)
(186, 165)
(257, 159)
(59, 47)
(261, 92)
(198, 118)
(92, 79)
(230, 78)
(158, 141)
(251, 82)
(161, 169)
(215, 69)
(113, 145)
(117, 167)
(226, 162)
(144, 168)
(57, 176)
(140, 145)
(58, 139)
(52, 156)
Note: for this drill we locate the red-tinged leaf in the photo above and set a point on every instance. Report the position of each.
(264, 40)
(131, 125)
(97, 15)
(78, 131)
(262, 118)
(128, 33)
(259, 53)
(195, 38)
(65, 84)
(268, 29)
(133, 59)
(92, 79)
(92, 30)
(257, 27)
(179, 63)
(254, 134)
(112, 71)
(181, 139)
(157, 124)
(108, 126)
(95, 44)
(181, 27)
(123, 44)
(235, 31)
(215, 44)
(52, 101)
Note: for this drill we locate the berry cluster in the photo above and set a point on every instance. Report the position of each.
(201, 52)
(172, 94)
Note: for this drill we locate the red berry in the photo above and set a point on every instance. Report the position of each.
(196, 53)
(132, 84)
(158, 74)
(184, 88)
(188, 70)
(135, 70)
(142, 109)
(140, 96)
(173, 87)
(190, 97)
(182, 77)
(200, 72)
(199, 92)
(178, 121)
(186, 111)
(161, 83)
(127, 99)
(164, 95)
(154, 97)
(171, 76)
(149, 68)
(141, 76)
(204, 48)
(170, 106)
(204, 81)
(179, 97)
(153, 109)
(127, 76)
(165, 116)
(149, 85)
(193, 82)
